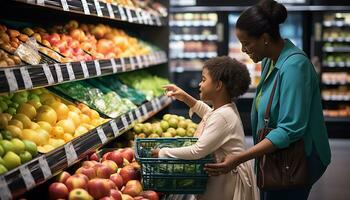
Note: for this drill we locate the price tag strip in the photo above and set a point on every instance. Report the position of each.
(97, 67)
(122, 63)
(40, 2)
(98, 8)
(5, 193)
(110, 10)
(102, 135)
(64, 5)
(71, 155)
(128, 13)
(122, 13)
(145, 60)
(85, 7)
(139, 16)
(154, 106)
(48, 74)
(144, 110)
(114, 128)
(138, 113)
(27, 176)
(11, 80)
(26, 78)
(45, 167)
(58, 73)
(70, 71)
(158, 104)
(131, 116)
(159, 23)
(85, 69)
(132, 63)
(124, 121)
(114, 65)
(139, 62)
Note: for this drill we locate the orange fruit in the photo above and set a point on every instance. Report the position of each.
(57, 131)
(68, 125)
(61, 110)
(47, 114)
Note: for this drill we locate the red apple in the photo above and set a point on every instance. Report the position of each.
(79, 194)
(135, 165)
(62, 177)
(116, 157)
(87, 171)
(99, 188)
(111, 164)
(83, 176)
(117, 195)
(127, 197)
(129, 173)
(103, 171)
(111, 184)
(76, 181)
(89, 163)
(94, 157)
(104, 157)
(106, 198)
(149, 194)
(128, 153)
(58, 190)
(117, 179)
(132, 188)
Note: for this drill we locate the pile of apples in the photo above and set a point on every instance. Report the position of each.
(115, 176)
(45, 119)
(88, 42)
(170, 126)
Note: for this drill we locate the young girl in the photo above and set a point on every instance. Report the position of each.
(220, 132)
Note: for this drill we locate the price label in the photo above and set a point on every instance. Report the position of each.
(139, 62)
(71, 155)
(27, 177)
(114, 65)
(110, 10)
(145, 60)
(64, 5)
(122, 13)
(40, 2)
(154, 106)
(5, 193)
(48, 74)
(98, 8)
(138, 113)
(26, 78)
(102, 135)
(132, 63)
(131, 116)
(85, 69)
(97, 67)
(149, 17)
(58, 73)
(11, 80)
(114, 128)
(122, 63)
(70, 71)
(31, 1)
(144, 110)
(139, 16)
(159, 23)
(45, 167)
(128, 13)
(124, 121)
(85, 7)
(159, 105)
(152, 58)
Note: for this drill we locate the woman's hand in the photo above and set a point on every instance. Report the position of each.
(228, 164)
(176, 92)
(155, 153)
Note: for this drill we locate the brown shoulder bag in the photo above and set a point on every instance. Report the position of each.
(283, 168)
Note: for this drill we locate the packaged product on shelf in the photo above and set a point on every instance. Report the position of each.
(29, 52)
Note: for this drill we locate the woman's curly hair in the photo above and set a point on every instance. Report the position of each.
(233, 74)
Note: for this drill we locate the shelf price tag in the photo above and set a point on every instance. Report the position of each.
(154, 106)
(71, 155)
(122, 63)
(98, 8)
(85, 7)
(85, 69)
(139, 62)
(114, 65)
(27, 177)
(131, 116)
(139, 16)
(65, 5)
(45, 167)
(124, 121)
(31, 1)
(122, 13)
(114, 128)
(5, 193)
(159, 105)
(58, 73)
(150, 20)
(110, 10)
(48, 74)
(145, 60)
(138, 113)
(128, 13)
(132, 63)
(101, 135)
(159, 23)
(40, 2)
(70, 71)
(26, 78)
(11, 80)
(97, 67)
(144, 110)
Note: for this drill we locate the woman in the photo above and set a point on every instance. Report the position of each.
(296, 111)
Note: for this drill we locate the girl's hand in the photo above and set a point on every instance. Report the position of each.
(155, 153)
(176, 92)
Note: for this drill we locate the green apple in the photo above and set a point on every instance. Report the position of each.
(2, 151)
(20, 97)
(190, 132)
(11, 160)
(167, 135)
(173, 122)
(172, 131)
(138, 128)
(181, 118)
(7, 145)
(2, 162)
(11, 111)
(182, 124)
(6, 135)
(164, 125)
(3, 105)
(157, 129)
(181, 132)
(13, 105)
(30, 147)
(34, 97)
(79, 194)
(192, 125)
(25, 156)
(166, 117)
(19, 146)
(2, 169)
(153, 135)
(147, 128)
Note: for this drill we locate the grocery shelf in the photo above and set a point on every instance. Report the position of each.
(336, 49)
(27, 176)
(191, 55)
(193, 23)
(338, 39)
(32, 76)
(101, 9)
(188, 37)
(337, 119)
(336, 98)
(335, 24)
(335, 83)
(336, 64)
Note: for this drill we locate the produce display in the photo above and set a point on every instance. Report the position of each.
(149, 85)
(104, 100)
(45, 119)
(169, 126)
(112, 175)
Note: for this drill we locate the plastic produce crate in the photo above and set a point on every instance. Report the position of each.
(170, 175)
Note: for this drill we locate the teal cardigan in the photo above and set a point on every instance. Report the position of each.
(296, 111)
